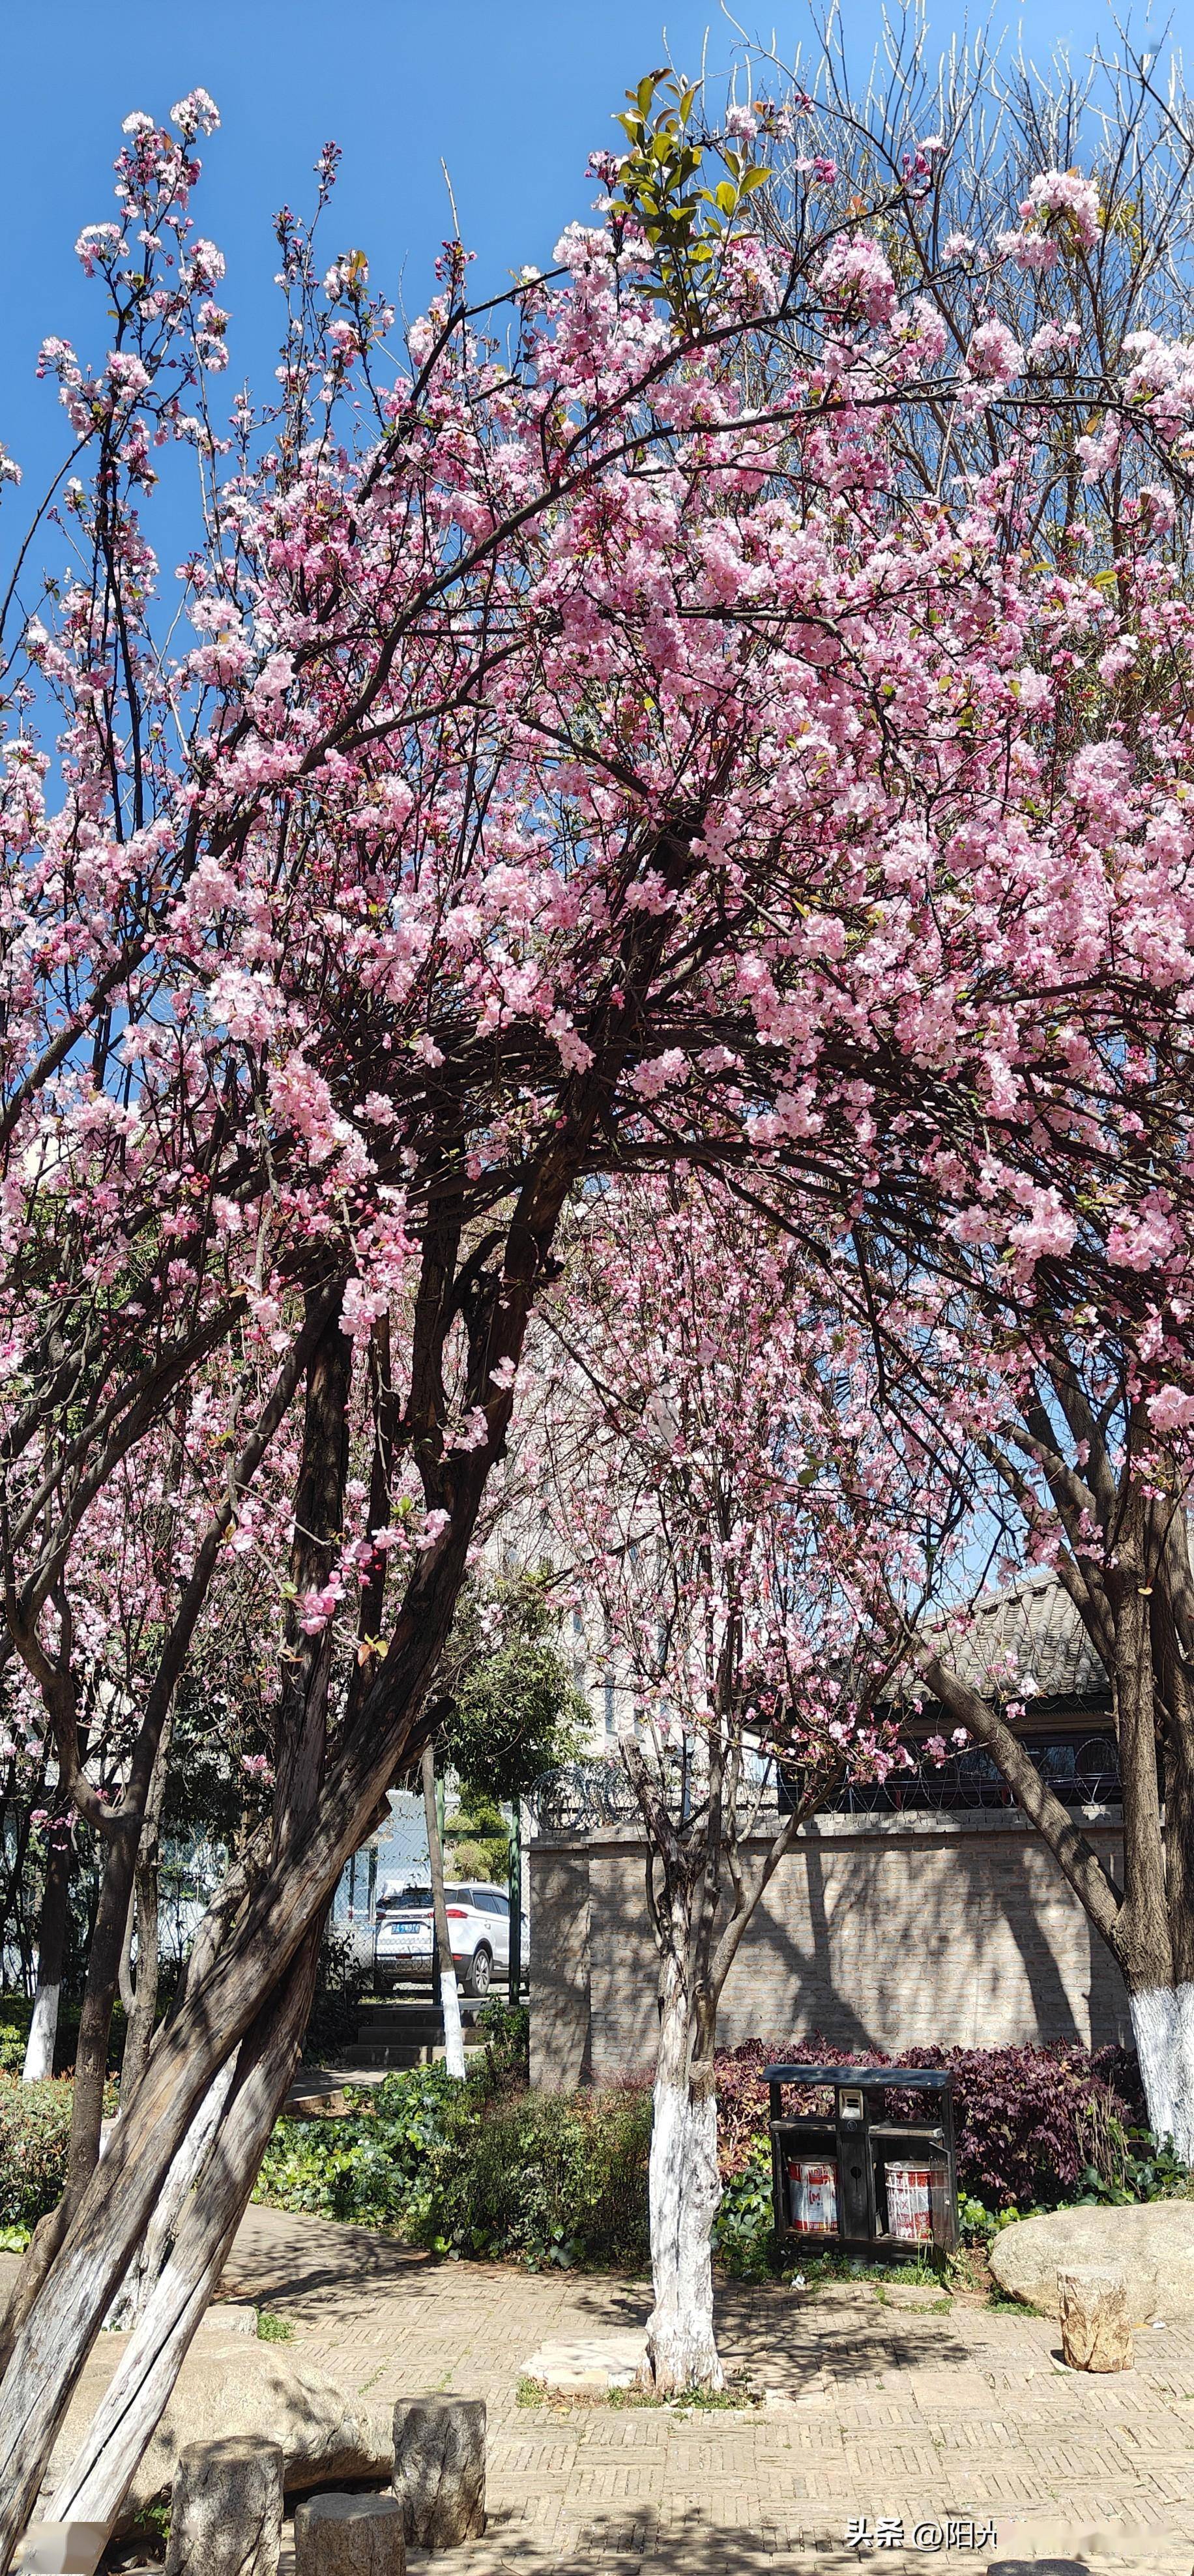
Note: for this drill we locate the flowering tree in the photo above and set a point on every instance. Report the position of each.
(1078, 1454)
(760, 1551)
(593, 753)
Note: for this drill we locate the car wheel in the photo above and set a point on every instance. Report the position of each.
(479, 1973)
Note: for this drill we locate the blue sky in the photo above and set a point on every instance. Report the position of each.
(513, 94)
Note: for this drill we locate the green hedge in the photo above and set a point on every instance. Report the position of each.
(34, 2127)
(477, 2168)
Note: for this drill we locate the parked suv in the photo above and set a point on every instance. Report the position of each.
(478, 1923)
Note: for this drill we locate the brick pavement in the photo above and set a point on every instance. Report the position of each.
(873, 2408)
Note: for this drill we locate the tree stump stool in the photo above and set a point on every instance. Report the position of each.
(1096, 2332)
(226, 2509)
(439, 2469)
(350, 2535)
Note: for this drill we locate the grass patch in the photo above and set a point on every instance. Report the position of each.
(838, 2271)
(737, 2393)
(732, 2399)
(273, 2329)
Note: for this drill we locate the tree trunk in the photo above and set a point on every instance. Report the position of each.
(1143, 1944)
(449, 1993)
(149, 2260)
(173, 2303)
(95, 2020)
(147, 1907)
(98, 2479)
(1163, 2029)
(87, 2099)
(51, 1947)
(254, 1931)
(684, 2193)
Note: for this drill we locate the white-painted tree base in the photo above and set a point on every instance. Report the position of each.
(453, 2027)
(43, 2031)
(685, 2189)
(1163, 2029)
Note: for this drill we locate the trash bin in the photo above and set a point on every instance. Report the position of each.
(855, 2181)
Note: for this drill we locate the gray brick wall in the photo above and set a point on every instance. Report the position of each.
(878, 1931)
(560, 1967)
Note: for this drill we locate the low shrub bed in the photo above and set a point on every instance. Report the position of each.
(34, 2127)
(1037, 2128)
(489, 2168)
(477, 2168)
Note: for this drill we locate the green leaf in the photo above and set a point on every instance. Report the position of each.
(726, 196)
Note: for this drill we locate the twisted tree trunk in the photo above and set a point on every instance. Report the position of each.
(146, 1916)
(145, 2270)
(258, 1923)
(98, 2479)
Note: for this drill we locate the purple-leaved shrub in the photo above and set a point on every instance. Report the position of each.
(1029, 2120)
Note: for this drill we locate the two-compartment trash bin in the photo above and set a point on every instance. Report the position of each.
(856, 2182)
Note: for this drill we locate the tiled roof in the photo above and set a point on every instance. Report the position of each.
(1035, 1624)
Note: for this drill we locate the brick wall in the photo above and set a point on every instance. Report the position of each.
(878, 1931)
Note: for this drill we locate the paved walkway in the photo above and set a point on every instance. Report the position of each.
(875, 2409)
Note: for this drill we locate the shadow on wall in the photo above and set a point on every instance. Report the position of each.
(884, 1933)
(970, 1940)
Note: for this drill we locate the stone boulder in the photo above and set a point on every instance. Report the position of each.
(1150, 2242)
(231, 2385)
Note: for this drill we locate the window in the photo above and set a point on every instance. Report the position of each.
(490, 1902)
(458, 1896)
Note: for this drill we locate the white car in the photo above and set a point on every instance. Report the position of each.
(478, 1924)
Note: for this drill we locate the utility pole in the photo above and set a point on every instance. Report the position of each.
(515, 1889)
(442, 1949)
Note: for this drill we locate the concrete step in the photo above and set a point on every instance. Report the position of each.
(393, 2053)
(396, 2015)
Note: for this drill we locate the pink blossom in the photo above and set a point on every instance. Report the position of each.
(856, 273)
(1066, 194)
(1171, 1409)
(994, 356)
(316, 1607)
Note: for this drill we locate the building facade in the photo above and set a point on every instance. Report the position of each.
(922, 1911)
